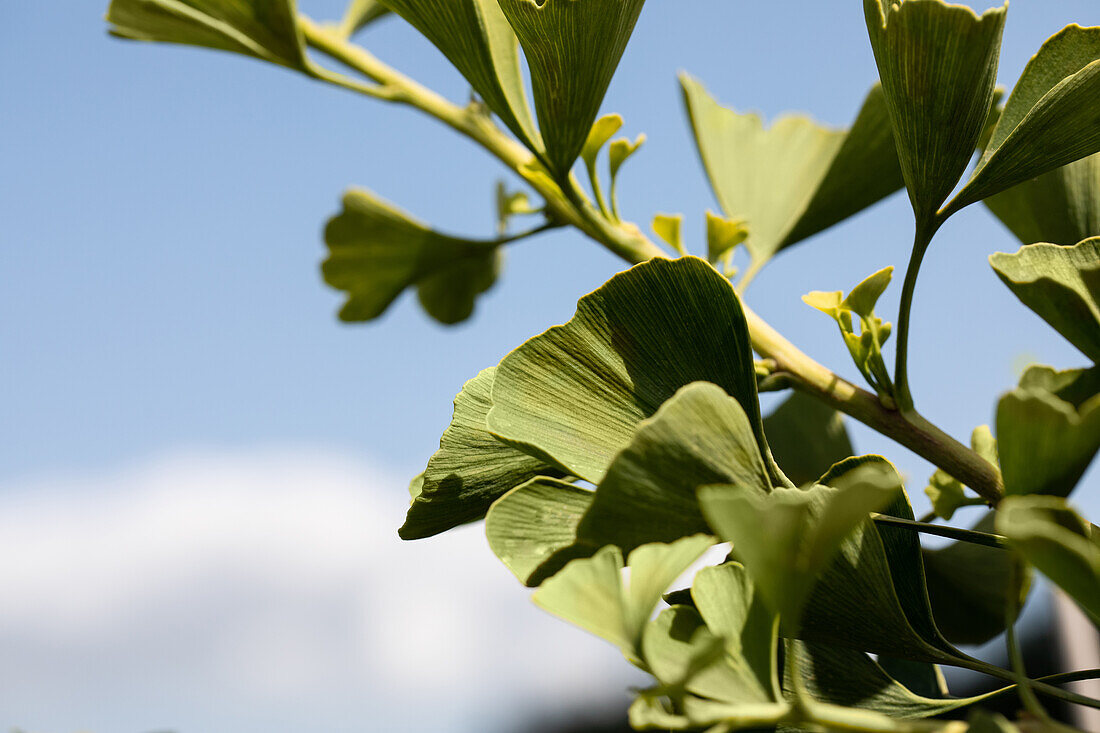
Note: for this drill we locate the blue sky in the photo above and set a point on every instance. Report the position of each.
(161, 303)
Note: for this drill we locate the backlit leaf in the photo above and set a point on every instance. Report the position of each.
(573, 48)
(360, 14)
(1059, 542)
(471, 469)
(794, 178)
(938, 66)
(700, 436)
(1062, 285)
(576, 393)
(1050, 119)
(475, 36)
(1059, 207)
(377, 250)
(264, 29)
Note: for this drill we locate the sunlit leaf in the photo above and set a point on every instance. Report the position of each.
(576, 393)
(947, 493)
(377, 250)
(264, 29)
(1059, 207)
(723, 235)
(1062, 285)
(1049, 120)
(475, 36)
(590, 592)
(700, 436)
(1075, 386)
(669, 228)
(530, 526)
(471, 469)
(573, 48)
(360, 14)
(1059, 542)
(789, 181)
(938, 66)
(788, 537)
(806, 437)
(621, 150)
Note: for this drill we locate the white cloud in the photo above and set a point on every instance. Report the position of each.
(266, 591)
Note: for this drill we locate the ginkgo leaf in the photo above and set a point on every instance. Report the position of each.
(377, 250)
(669, 227)
(788, 537)
(1059, 542)
(475, 36)
(1059, 207)
(723, 235)
(575, 394)
(1062, 285)
(471, 469)
(590, 592)
(938, 66)
(794, 178)
(573, 48)
(620, 151)
(530, 526)
(264, 29)
(806, 437)
(699, 436)
(1050, 119)
(947, 493)
(360, 14)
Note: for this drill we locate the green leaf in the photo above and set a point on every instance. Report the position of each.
(938, 66)
(529, 527)
(1045, 442)
(1075, 386)
(1057, 541)
(1049, 120)
(699, 436)
(572, 48)
(947, 493)
(264, 29)
(788, 537)
(620, 151)
(360, 14)
(509, 204)
(969, 585)
(590, 592)
(377, 250)
(1059, 207)
(471, 469)
(602, 131)
(575, 394)
(475, 36)
(982, 721)
(669, 228)
(795, 178)
(1062, 285)
(723, 235)
(852, 679)
(806, 437)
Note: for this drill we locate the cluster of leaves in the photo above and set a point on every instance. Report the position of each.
(608, 454)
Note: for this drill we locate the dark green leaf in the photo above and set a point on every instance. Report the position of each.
(1060, 207)
(471, 469)
(699, 436)
(938, 65)
(475, 36)
(1057, 541)
(572, 48)
(530, 526)
(795, 178)
(576, 394)
(376, 251)
(1050, 119)
(806, 437)
(264, 29)
(1062, 285)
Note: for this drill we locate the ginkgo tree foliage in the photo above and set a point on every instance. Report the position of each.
(608, 454)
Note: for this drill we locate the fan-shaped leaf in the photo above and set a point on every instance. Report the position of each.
(699, 436)
(360, 14)
(938, 65)
(1062, 285)
(475, 36)
(1060, 207)
(376, 251)
(471, 469)
(795, 178)
(575, 394)
(1050, 119)
(806, 437)
(264, 29)
(572, 48)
